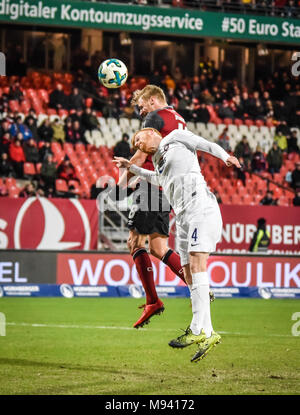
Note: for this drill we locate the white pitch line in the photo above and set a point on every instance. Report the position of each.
(76, 326)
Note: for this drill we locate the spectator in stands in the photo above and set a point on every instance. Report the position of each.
(17, 157)
(50, 192)
(70, 193)
(31, 124)
(44, 151)
(76, 99)
(281, 141)
(225, 111)
(122, 148)
(268, 200)
(69, 130)
(274, 158)
(292, 143)
(4, 127)
(57, 99)
(78, 133)
(244, 152)
(261, 239)
(4, 103)
(15, 93)
(5, 141)
(20, 127)
(48, 172)
(283, 128)
(28, 190)
(31, 152)
(296, 200)
(91, 126)
(296, 177)
(223, 140)
(288, 177)
(259, 161)
(66, 171)
(6, 167)
(45, 131)
(281, 112)
(89, 120)
(203, 114)
(31, 114)
(59, 134)
(77, 116)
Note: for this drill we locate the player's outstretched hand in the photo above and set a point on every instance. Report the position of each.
(233, 161)
(121, 162)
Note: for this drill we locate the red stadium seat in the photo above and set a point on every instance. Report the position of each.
(14, 105)
(29, 169)
(238, 122)
(249, 122)
(89, 102)
(236, 199)
(61, 185)
(259, 123)
(247, 199)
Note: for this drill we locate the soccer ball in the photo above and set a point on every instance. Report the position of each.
(112, 73)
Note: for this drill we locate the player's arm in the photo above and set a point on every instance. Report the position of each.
(138, 159)
(149, 175)
(197, 142)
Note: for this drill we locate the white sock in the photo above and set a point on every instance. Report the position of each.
(200, 304)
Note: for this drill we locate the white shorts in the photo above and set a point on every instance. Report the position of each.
(199, 227)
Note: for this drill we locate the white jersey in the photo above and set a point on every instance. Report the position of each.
(177, 168)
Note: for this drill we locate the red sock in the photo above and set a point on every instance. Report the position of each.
(144, 268)
(173, 261)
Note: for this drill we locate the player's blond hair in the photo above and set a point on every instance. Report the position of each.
(147, 92)
(143, 129)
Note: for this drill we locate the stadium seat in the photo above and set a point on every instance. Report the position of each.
(236, 199)
(247, 199)
(61, 185)
(29, 169)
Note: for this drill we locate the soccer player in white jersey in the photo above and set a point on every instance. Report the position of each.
(198, 217)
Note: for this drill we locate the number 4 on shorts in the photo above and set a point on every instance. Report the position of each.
(194, 235)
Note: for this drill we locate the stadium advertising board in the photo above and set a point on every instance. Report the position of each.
(164, 20)
(86, 274)
(40, 223)
(239, 225)
(224, 271)
(68, 224)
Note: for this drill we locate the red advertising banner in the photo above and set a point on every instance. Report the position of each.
(239, 225)
(224, 271)
(67, 224)
(40, 223)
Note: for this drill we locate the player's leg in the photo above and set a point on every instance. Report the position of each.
(136, 245)
(158, 245)
(203, 237)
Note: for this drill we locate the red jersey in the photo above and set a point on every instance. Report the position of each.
(164, 120)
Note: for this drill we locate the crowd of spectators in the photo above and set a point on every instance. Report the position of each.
(288, 8)
(276, 99)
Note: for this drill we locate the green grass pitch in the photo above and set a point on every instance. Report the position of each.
(87, 346)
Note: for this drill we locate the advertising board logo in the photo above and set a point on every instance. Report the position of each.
(66, 291)
(1, 292)
(135, 291)
(52, 225)
(265, 293)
